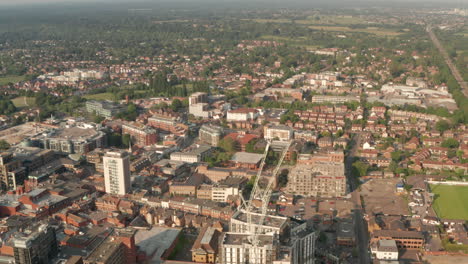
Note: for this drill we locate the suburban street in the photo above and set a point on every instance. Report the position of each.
(360, 225)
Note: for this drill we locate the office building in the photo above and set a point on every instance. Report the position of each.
(302, 245)
(168, 121)
(109, 252)
(210, 134)
(385, 249)
(281, 132)
(140, 134)
(36, 245)
(117, 172)
(242, 114)
(196, 153)
(198, 105)
(323, 179)
(105, 109)
(12, 172)
(73, 140)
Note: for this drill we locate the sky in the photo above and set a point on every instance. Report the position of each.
(23, 2)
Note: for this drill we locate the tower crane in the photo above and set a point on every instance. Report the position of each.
(262, 194)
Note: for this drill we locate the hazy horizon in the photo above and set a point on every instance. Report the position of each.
(227, 2)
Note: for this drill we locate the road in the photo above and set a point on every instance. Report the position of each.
(453, 67)
(362, 235)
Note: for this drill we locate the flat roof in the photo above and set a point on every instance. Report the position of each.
(270, 220)
(245, 157)
(240, 238)
(103, 252)
(74, 133)
(9, 200)
(155, 241)
(16, 134)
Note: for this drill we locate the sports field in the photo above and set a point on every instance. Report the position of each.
(451, 201)
(23, 101)
(11, 79)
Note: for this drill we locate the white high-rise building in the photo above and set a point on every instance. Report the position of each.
(117, 172)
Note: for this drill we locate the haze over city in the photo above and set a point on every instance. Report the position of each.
(232, 132)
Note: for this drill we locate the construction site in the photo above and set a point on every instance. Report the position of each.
(257, 237)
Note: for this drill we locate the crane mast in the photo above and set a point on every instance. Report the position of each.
(263, 195)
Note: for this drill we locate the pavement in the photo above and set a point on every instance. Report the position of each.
(362, 235)
(445, 259)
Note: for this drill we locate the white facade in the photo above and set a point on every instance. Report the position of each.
(242, 115)
(200, 110)
(283, 133)
(117, 172)
(185, 157)
(236, 249)
(220, 194)
(385, 249)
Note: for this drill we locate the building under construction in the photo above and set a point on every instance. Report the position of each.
(257, 237)
(237, 248)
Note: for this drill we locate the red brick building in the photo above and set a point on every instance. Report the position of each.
(140, 134)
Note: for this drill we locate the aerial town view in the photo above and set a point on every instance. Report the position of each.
(233, 131)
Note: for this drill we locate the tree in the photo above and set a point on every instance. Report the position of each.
(98, 119)
(442, 126)
(294, 157)
(283, 178)
(361, 168)
(4, 145)
(176, 104)
(397, 156)
(131, 113)
(451, 153)
(228, 144)
(126, 140)
(393, 166)
(450, 143)
(250, 147)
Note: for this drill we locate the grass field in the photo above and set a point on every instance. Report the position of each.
(451, 201)
(278, 20)
(99, 96)
(11, 79)
(316, 20)
(23, 101)
(371, 30)
(332, 20)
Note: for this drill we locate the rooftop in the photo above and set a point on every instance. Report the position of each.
(155, 241)
(104, 252)
(246, 157)
(239, 239)
(269, 220)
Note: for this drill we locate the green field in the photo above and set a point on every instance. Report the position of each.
(315, 20)
(331, 20)
(371, 30)
(99, 96)
(451, 201)
(10, 79)
(24, 101)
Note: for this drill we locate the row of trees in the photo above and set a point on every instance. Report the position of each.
(6, 106)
